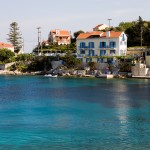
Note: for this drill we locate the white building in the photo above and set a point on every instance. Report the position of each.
(100, 27)
(93, 46)
(60, 37)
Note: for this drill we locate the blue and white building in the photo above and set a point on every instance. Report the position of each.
(95, 45)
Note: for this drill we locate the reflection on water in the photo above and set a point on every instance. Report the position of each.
(42, 113)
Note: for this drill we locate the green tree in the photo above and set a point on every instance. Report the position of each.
(92, 65)
(125, 25)
(71, 61)
(76, 34)
(6, 55)
(15, 37)
(24, 57)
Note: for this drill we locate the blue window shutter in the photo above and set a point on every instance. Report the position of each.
(100, 44)
(100, 52)
(114, 44)
(93, 53)
(104, 44)
(110, 44)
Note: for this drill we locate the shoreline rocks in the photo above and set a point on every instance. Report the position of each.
(7, 72)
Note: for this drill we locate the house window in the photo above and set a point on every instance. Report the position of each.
(91, 52)
(82, 51)
(102, 52)
(112, 44)
(102, 44)
(88, 59)
(110, 60)
(123, 37)
(100, 60)
(82, 45)
(112, 51)
(91, 44)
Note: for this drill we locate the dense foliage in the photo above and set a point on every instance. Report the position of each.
(71, 61)
(29, 62)
(138, 32)
(6, 55)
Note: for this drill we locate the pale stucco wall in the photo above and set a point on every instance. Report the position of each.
(148, 61)
(139, 70)
(97, 48)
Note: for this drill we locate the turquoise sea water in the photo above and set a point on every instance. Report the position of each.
(38, 113)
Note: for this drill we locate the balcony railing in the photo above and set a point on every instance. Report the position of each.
(85, 47)
(107, 47)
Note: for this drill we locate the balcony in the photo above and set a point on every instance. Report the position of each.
(107, 47)
(85, 47)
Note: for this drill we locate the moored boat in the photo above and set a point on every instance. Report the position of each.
(50, 75)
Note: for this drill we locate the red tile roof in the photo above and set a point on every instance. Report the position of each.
(89, 34)
(113, 34)
(101, 34)
(61, 32)
(5, 45)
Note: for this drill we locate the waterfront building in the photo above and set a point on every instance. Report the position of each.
(61, 37)
(99, 46)
(7, 46)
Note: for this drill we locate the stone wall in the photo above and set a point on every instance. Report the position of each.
(56, 64)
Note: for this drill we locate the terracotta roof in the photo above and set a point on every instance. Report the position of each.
(113, 34)
(87, 35)
(61, 32)
(4, 45)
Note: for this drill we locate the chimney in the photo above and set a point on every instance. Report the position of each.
(107, 33)
(57, 31)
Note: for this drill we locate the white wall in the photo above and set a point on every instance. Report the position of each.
(97, 49)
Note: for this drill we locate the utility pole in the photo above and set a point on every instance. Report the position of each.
(109, 21)
(141, 37)
(38, 28)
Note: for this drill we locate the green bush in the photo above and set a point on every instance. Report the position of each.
(6, 55)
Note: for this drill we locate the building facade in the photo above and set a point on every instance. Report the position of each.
(61, 37)
(95, 45)
(100, 27)
(7, 46)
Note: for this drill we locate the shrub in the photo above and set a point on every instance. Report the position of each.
(6, 55)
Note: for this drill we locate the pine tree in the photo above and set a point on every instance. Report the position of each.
(15, 37)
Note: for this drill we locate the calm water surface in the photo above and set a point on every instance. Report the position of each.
(38, 113)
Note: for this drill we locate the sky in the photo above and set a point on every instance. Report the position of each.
(71, 15)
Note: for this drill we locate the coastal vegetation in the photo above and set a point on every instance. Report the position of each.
(71, 61)
(6, 56)
(138, 32)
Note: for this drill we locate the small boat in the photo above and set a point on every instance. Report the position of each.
(50, 75)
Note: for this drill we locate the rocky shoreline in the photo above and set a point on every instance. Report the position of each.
(7, 72)
(62, 73)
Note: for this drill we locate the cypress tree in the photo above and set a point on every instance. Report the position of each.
(15, 37)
